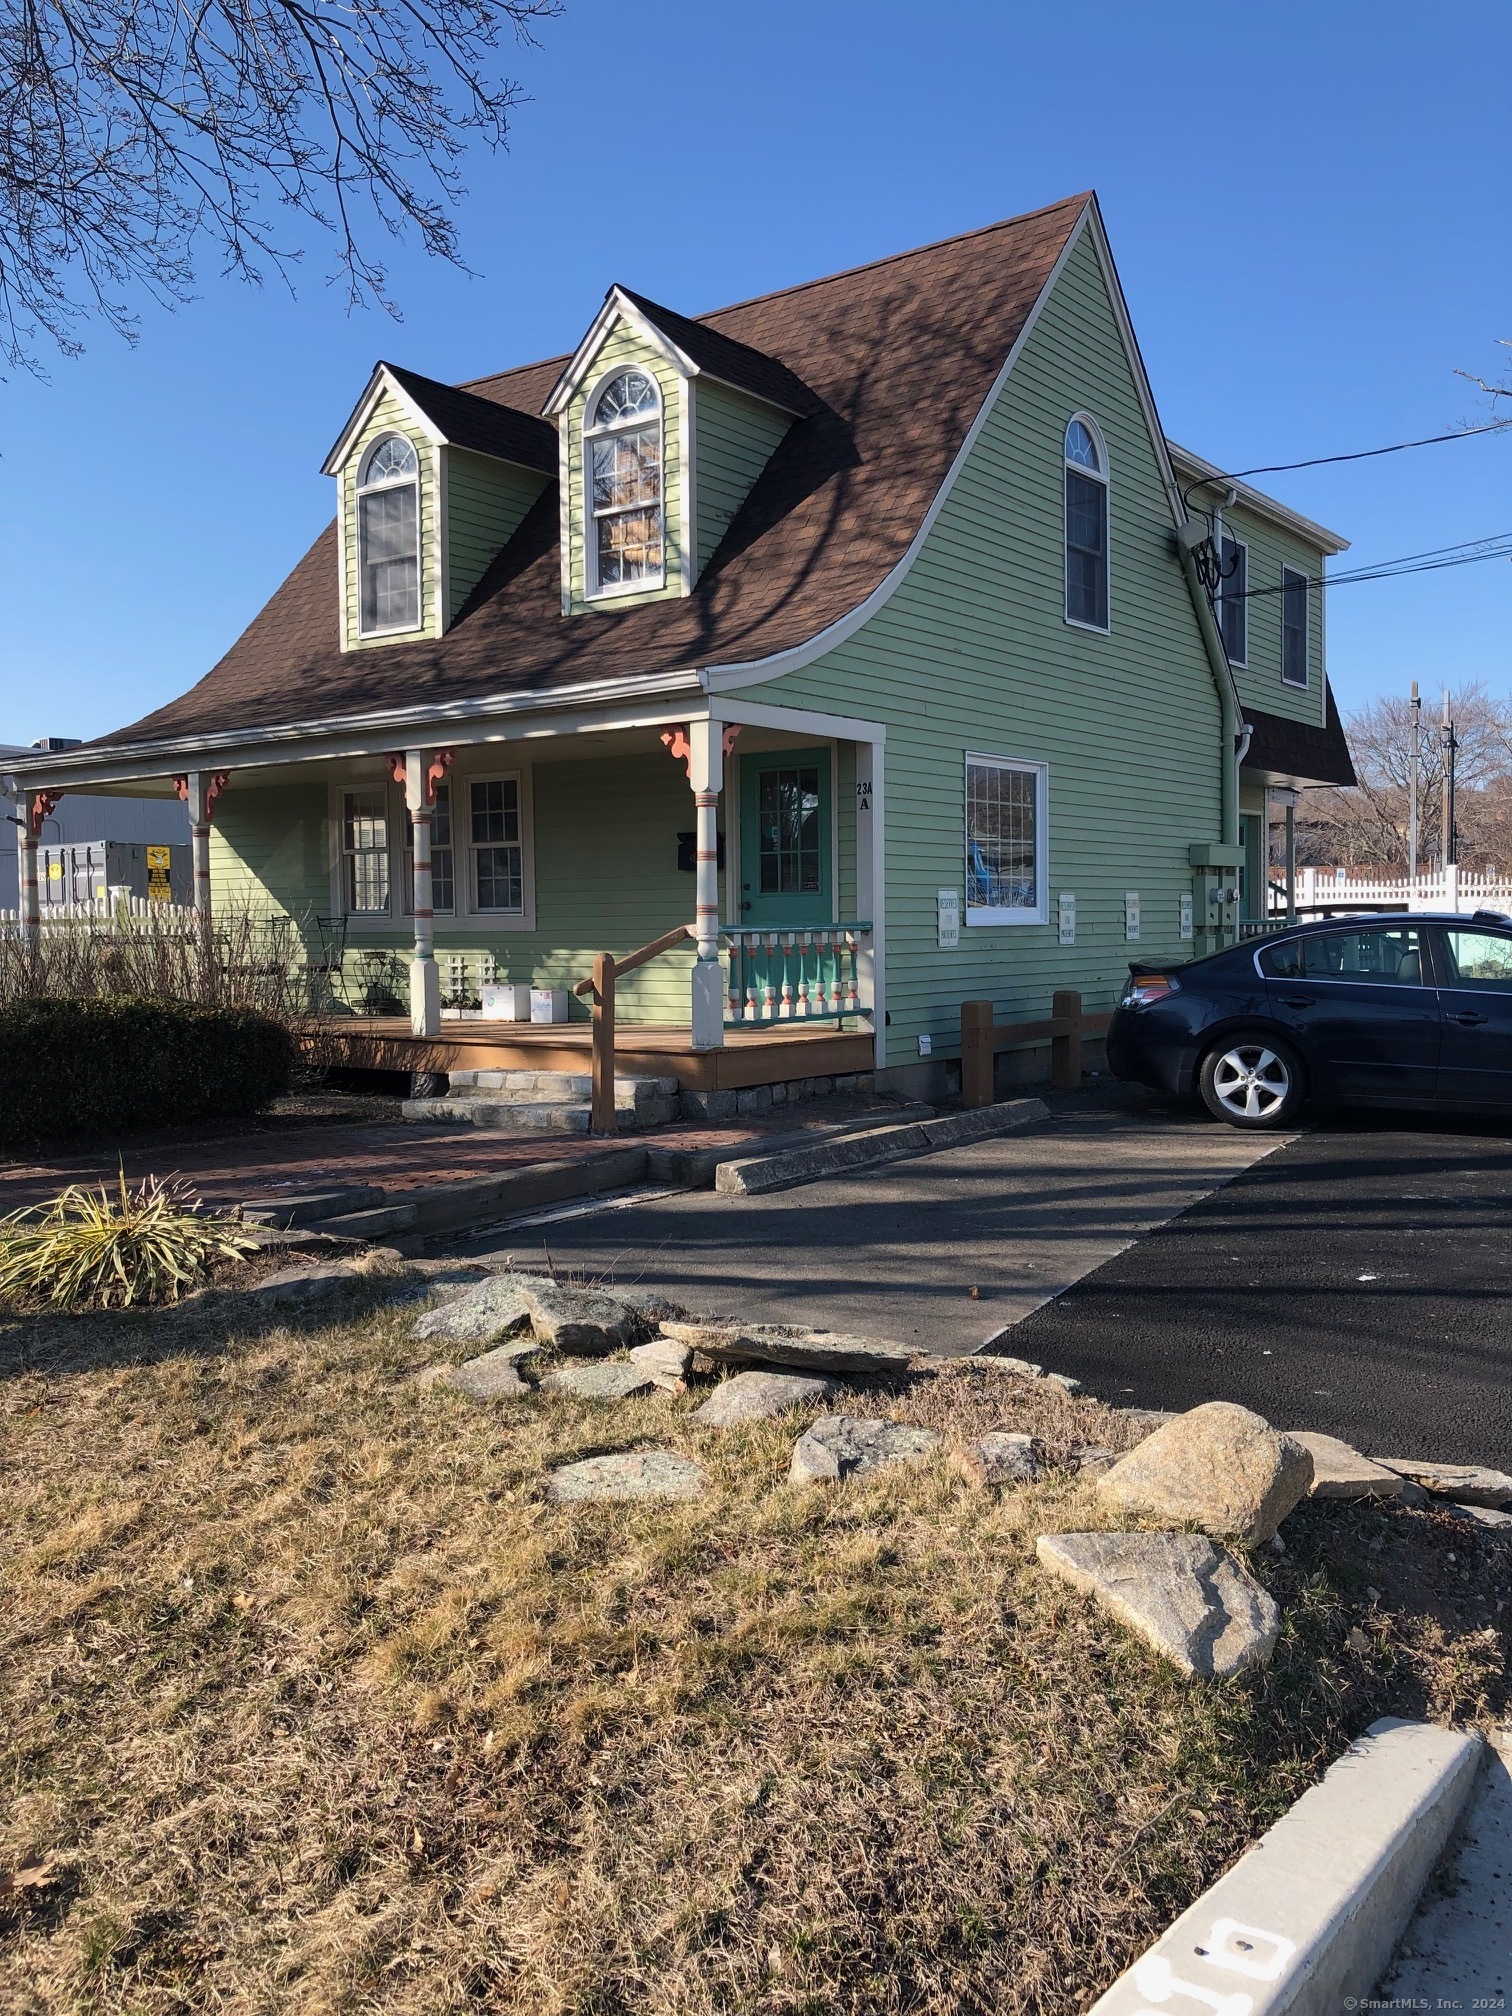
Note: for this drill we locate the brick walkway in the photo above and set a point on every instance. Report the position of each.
(397, 1156)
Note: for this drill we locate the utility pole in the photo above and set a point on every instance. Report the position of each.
(1416, 718)
(1450, 743)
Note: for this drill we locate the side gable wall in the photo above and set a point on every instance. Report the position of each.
(973, 653)
(734, 442)
(485, 502)
(1259, 680)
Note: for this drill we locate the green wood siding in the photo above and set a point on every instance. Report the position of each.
(606, 876)
(1259, 680)
(973, 653)
(624, 345)
(733, 443)
(391, 416)
(485, 501)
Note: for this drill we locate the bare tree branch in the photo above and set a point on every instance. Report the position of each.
(138, 134)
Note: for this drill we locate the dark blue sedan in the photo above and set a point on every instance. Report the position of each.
(1396, 1010)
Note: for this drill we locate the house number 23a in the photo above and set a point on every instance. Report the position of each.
(863, 796)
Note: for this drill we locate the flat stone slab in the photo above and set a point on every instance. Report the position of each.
(494, 1376)
(1218, 1467)
(997, 1361)
(586, 1320)
(1498, 1524)
(758, 1396)
(638, 1473)
(665, 1362)
(1184, 1595)
(611, 1379)
(840, 1445)
(1342, 1472)
(1004, 1458)
(787, 1344)
(1466, 1483)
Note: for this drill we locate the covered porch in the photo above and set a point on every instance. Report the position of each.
(451, 898)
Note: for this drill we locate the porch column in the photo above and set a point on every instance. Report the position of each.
(706, 775)
(425, 975)
(199, 790)
(26, 862)
(871, 974)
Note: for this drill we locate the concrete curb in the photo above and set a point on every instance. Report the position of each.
(474, 1200)
(1313, 1912)
(755, 1175)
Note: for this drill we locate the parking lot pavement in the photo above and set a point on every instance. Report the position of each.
(897, 1250)
(1359, 1281)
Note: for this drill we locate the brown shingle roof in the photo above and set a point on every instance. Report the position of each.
(734, 363)
(899, 357)
(470, 421)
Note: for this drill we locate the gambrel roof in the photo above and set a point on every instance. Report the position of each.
(893, 362)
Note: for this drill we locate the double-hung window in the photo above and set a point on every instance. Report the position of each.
(1233, 606)
(622, 450)
(365, 852)
(497, 848)
(1006, 875)
(1293, 627)
(388, 537)
(1086, 527)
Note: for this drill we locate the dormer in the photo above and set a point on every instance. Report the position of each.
(663, 425)
(430, 482)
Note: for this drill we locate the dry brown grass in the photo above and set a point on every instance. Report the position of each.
(313, 1705)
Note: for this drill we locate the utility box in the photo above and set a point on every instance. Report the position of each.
(94, 871)
(548, 1004)
(503, 1001)
(1215, 893)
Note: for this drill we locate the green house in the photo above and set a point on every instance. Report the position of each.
(871, 630)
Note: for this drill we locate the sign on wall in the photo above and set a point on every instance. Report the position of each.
(948, 918)
(159, 864)
(1067, 917)
(1131, 915)
(1185, 917)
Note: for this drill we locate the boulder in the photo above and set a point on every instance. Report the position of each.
(1003, 1458)
(1065, 1382)
(494, 1376)
(304, 1286)
(1342, 1472)
(1091, 1459)
(611, 1379)
(1186, 1597)
(584, 1320)
(789, 1344)
(1465, 1483)
(479, 1314)
(649, 1305)
(1146, 1419)
(1220, 1468)
(665, 1362)
(839, 1446)
(995, 1361)
(757, 1396)
(638, 1473)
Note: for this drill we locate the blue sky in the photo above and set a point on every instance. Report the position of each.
(1308, 203)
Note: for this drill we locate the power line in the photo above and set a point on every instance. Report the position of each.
(1496, 546)
(1356, 455)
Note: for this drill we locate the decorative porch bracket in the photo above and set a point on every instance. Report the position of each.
(704, 745)
(40, 806)
(199, 790)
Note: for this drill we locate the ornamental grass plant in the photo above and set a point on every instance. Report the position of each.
(102, 1248)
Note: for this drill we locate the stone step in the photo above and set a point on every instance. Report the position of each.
(545, 1116)
(536, 1086)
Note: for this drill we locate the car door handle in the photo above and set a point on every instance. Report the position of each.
(1296, 1000)
(1469, 1019)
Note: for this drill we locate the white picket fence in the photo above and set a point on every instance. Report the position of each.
(1455, 889)
(119, 910)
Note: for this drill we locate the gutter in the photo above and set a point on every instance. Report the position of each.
(1236, 732)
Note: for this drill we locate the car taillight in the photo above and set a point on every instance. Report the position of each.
(1145, 988)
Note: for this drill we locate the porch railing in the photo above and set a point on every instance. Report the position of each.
(795, 973)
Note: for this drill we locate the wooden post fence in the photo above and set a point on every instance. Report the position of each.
(1065, 1030)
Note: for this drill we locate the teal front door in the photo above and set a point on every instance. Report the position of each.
(786, 860)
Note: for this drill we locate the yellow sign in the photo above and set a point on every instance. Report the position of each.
(158, 860)
(55, 871)
(159, 888)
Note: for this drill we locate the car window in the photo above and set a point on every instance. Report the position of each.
(1479, 958)
(1378, 953)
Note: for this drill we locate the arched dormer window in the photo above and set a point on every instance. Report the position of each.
(388, 537)
(1086, 525)
(622, 454)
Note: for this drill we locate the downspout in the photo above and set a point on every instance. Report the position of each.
(1235, 731)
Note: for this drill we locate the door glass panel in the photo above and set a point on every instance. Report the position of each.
(788, 830)
(1377, 955)
(1479, 959)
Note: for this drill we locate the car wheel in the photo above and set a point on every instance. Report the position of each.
(1252, 1080)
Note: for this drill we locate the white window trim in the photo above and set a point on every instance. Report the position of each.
(361, 489)
(1105, 477)
(1297, 685)
(1242, 546)
(1039, 912)
(649, 584)
(463, 920)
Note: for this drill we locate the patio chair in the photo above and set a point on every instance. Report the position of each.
(331, 965)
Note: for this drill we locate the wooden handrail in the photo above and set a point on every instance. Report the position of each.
(599, 987)
(1064, 1030)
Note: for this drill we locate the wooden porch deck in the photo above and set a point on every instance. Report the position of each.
(765, 1056)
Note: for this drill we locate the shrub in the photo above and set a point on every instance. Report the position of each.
(90, 1067)
(92, 1248)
